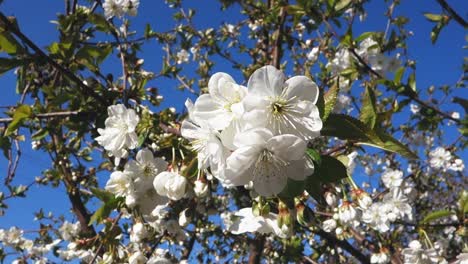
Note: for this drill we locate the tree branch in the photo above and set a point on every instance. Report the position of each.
(84, 88)
(46, 115)
(256, 249)
(332, 240)
(452, 13)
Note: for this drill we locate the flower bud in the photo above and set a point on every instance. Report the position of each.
(304, 214)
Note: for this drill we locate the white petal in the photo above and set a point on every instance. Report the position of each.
(216, 80)
(144, 156)
(266, 81)
(287, 147)
(257, 136)
(302, 88)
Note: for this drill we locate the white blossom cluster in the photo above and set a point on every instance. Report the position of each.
(256, 133)
(442, 159)
(370, 52)
(118, 8)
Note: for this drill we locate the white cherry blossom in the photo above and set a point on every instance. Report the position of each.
(283, 106)
(144, 169)
(170, 184)
(119, 133)
(267, 160)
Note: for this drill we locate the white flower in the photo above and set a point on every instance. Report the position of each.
(246, 222)
(222, 108)
(313, 54)
(119, 184)
(170, 184)
(380, 258)
(415, 108)
(139, 232)
(343, 102)
(347, 213)
(457, 165)
(283, 106)
(205, 141)
(266, 160)
(462, 258)
(119, 132)
(137, 258)
(440, 158)
(69, 230)
(341, 61)
(329, 225)
(415, 254)
(397, 205)
(392, 178)
(35, 144)
(118, 8)
(376, 217)
(144, 169)
(200, 188)
(183, 56)
(184, 220)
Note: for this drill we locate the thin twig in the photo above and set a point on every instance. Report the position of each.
(45, 115)
(452, 13)
(84, 88)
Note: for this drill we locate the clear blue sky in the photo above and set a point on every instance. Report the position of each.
(436, 64)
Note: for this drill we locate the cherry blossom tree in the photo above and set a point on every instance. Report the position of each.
(316, 146)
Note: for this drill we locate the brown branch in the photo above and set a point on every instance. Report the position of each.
(452, 13)
(256, 249)
(412, 96)
(332, 240)
(114, 222)
(46, 115)
(88, 91)
(277, 49)
(189, 247)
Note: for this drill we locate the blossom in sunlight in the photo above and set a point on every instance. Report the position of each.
(183, 56)
(222, 108)
(119, 8)
(313, 54)
(138, 232)
(439, 158)
(382, 257)
(69, 230)
(376, 217)
(119, 132)
(283, 106)
(121, 185)
(267, 160)
(170, 184)
(415, 253)
(206, 141)
(246, 222)
(392, 178)
(144, 169)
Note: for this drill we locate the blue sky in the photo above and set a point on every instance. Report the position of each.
(436, 64)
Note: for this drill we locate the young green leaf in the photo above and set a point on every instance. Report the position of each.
(368, 113)
(22, 113)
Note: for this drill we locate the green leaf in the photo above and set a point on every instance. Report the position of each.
(314, 155)
(364, 36)
(342, 5)
(9, 44)
(331, 170)
(368, 113)
(433, 17)
(330, 100)
(412, 81)
(100, 22)
(102, 195)
(40, 134)
(348, 128)
(106, 209)
(398, 75)
(22, 113)
(436, 215)
(293, 188)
